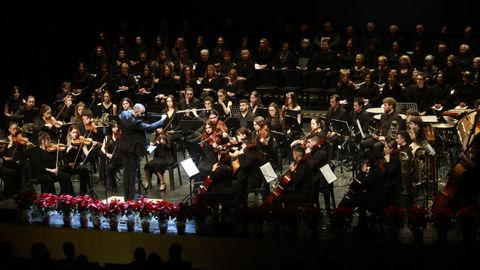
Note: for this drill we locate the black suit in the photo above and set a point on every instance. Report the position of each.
(133, 146)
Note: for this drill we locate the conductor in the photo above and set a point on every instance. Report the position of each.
(133, 144)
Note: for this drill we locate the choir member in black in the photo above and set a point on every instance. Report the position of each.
(335, 114)
(124, 85)
(392, 88)
(420, 93)
(390, 123)
(345, 87)
(50, 172)
(210, 82)
(188, 79)
(112, 154)
(255, 102)
(76, 153)
(14, 167)
(369, 91)
(47, 123)
(233, 86)
(162, 158)
(284, 59)
(244, 116)
(125, 105)
(300, 185)
(363, 117)
(145, 91)
(221, 187)
(392, 175)
(81, 84)
(12, 104)
(317, 157)
(102, 82)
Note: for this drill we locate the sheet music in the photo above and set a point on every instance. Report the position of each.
(151, 148)
(328, 173)
(268, 172)
(189, 166)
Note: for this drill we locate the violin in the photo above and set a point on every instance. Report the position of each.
(82, 141)
(56, 147)
(19, 139)
(285, 106)
(117, 135)
(52, 121)
(91, 127)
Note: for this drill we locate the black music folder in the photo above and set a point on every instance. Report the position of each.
(190, 125)
(292, 123)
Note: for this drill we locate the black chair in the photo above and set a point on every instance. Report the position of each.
(268, 81)
(314, 88)
(292, 80)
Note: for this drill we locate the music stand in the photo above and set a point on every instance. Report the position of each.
(282, 144)
(402, 107)
(292, 123)
(262, 111)
(190, 126)
(340, 126)
(194, 150)
(191, 170)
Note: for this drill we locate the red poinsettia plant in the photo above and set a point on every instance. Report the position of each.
(97, 207)
(182, 212)
(25, 200)
(394, 216)
(114, 208)
(417, 217)
(46, 202)
(66, 204)
(146, 208)
(164, 210)
(341, 217)
(83, 203)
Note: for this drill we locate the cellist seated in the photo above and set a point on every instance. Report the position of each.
(298, 188)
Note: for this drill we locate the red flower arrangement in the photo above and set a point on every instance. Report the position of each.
(145, 208)
(394, 217)
(46, 202)
(341, 217)
(66, 204)
(417, 217)
(25, 200)
(114, 208)
(83, 203)
(97, 207)
(182, 212)
(164, 210)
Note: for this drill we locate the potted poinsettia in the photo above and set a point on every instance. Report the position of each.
(25, 202)
(163, 211)
(340, 220)
(66, 205)
(96, 208)
(45, 204)
(115, 208)
(131, 211)
(146, 209)
(83, 205)
(183, 212)
(394, 219)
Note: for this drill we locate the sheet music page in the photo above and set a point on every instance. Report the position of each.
(328, 173)
(268, 172)
(189, 166)
(151, 148)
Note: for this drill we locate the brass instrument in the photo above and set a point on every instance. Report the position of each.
(393, 130)
(405, 170)
(102, 121)
(423, 185)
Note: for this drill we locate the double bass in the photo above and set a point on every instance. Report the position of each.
(467, 138)
(282, 184)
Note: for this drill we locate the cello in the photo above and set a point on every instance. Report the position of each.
(450, 189)
(282, 184)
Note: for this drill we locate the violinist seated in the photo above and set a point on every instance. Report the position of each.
(317, 156)
(209, 142)
(299, 189)
(162, 159)
(317, 127)
(48, 157)
(46, 122)
(88, 128)
(221, 176)
(247, 158)
(109, 149)
(75, 157)
(14, 163)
